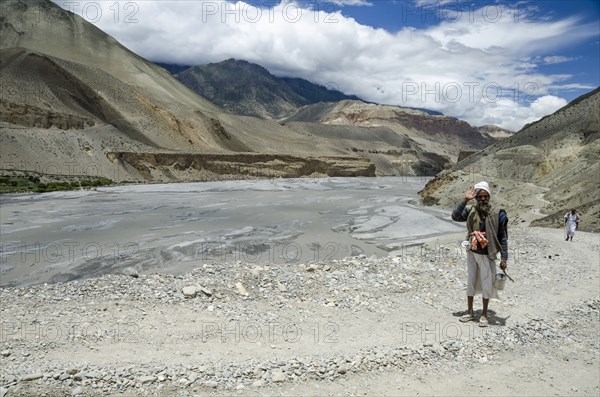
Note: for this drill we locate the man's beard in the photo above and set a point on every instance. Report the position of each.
(483, 207)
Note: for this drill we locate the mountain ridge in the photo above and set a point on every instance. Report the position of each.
(215, 89)
(543, 170)
(149, 111)
(109, 100)
(444, 135)
(250, 89)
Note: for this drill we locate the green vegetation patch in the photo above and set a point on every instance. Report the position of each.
(23, 184)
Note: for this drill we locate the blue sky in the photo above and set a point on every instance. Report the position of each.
(506, 63)
(581, 59)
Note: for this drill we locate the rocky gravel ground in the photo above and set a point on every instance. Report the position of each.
(321, 328)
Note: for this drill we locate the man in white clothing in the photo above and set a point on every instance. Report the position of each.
(571, 223)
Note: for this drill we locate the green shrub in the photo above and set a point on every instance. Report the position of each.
(28, 183)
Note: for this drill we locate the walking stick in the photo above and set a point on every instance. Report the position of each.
(509, 277)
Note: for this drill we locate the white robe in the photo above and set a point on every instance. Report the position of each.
(481, 276)
(571, 224)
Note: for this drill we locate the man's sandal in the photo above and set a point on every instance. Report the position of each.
(483, 322)
(466, 318)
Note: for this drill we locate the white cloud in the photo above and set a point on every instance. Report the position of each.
(547, 104)
(434, 3)
(480, 67)
(356, 3)
(572, 87)
(551, 60)
(511, 115)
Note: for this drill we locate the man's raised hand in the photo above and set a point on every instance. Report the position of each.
(470, 194)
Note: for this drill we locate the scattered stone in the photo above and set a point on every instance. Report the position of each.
(31, 377)
(189, 292)
(146, 379)
(278, 377)
(206, 291)
(78, 391)
(131, 272)
(211, 383)
(93, 375)
(5, 353)
(241, 289)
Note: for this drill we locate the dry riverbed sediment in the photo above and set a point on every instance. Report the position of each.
(356, 326)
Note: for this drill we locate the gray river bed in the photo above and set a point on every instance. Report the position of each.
(173, 228)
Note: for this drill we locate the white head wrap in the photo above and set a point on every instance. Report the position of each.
(482, 186)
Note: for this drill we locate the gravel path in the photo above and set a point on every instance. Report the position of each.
(356, 326)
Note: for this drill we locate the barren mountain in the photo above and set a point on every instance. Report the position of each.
(73, 93)
(495, 132)
(74, 98)
(76, 103)
(248, 89)
(395, 139)
(539, 173)
(442, 135)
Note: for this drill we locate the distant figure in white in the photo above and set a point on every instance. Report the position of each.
(488, 236)
(571, 223)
